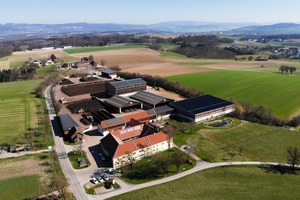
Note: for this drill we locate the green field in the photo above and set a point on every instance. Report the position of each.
(246, 182)
(277, 91)
(101, 48)
(198, 64)
(20, 187)
(169, 54)
(17, 107)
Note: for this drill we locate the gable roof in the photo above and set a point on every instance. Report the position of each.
(129, 132)
(67, 121)
(200, 104)
(150, 98)
(116, 148)
(128, 83)
(109, 71)
(120, 102)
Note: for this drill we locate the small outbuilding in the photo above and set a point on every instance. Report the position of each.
(110, 74)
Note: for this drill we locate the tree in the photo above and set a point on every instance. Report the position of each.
(177, 158)
(293, 156)
(191, 146)
(91, 58)
(29, 137)
(282, 68)
(162, 163)
(292, 69)
(130, 160)
(250, 58)
(60, 184)
(171, 132)
(103, 62)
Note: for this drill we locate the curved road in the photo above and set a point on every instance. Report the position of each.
(77, 188)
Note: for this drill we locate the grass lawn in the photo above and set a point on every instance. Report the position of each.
(102, 48)
(73, 158)
(198, 64)
(20, 187)
(246, 182)
(20, 110)
(169, 54)
(247, 141)
(259, 88)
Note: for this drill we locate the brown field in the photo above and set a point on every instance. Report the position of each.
(146, 61)
(15, 168)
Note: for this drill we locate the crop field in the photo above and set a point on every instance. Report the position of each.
(277, 91)
(245, 182)
(18, 110)
(101, 48)
(20, 187)
(197, 64)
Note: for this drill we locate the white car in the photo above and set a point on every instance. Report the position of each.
(100, 179)
(94, 180)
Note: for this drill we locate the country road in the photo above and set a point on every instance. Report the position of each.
(66, 166)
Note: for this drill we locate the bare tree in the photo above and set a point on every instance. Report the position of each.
(131, 160)
(293, 156)
(103, 62)
(171, 132)
(91, 58)
(60, 184)
(78, 146)
(191, 146)
(178, 159)
(29, 137)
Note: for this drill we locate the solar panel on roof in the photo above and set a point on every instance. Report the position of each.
(128, 83)
(115, 121)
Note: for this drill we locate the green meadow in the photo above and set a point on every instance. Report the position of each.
(18, 109)
(279, 92)
(101, 48)
(198, 64)
(20, 187)
(235, 182)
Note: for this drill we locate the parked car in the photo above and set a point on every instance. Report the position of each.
(100, 179)
(111, 171)
(94, 180)
(105, 176)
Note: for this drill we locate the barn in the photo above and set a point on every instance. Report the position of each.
(151, 100)
(69, 127)
(202, 108)
(109, 74)
(126, 87)
(120, 104)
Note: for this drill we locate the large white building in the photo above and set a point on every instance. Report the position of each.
(202, 108)
(133, 143)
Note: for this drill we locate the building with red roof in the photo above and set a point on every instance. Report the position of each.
(133, 143)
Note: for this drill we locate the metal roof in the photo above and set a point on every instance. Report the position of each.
(200, 104)
(115, 121)
(163, 109)
(120, 102)
(108, 71)
(128, 83)
(150, 98)
(67, 121)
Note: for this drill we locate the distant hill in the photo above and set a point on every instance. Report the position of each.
(15, 31)
(281, 28)
(12, 30)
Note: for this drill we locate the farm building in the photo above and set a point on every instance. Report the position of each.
(109, 74)
(118, 123)
(126, 87)
(83, 65)
(151, 100)
(133, 143)
(162, 112)
(119, 104)
(202, 108)
(69, 127)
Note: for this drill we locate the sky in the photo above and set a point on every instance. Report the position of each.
(148, 11)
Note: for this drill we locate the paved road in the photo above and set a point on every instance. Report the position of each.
(66, 166)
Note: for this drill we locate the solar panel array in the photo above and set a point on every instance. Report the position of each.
(128, 83)
(148, 97)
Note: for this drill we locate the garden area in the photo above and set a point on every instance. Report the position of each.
(78, 159)
(158, 166)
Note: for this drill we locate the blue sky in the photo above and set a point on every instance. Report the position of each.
(148, 11)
